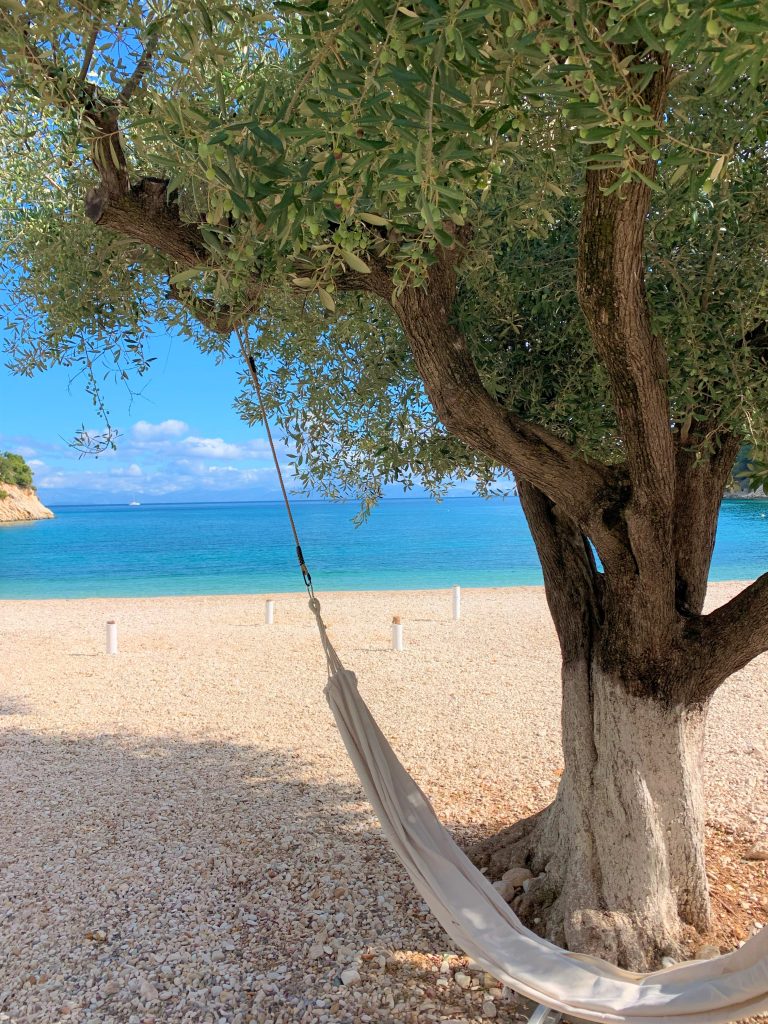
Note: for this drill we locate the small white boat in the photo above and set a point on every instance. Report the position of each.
(134, 504)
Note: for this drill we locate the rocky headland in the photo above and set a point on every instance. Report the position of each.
(19, 504)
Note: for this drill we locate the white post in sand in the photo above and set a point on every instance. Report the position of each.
(397, 634)
(269, 612)
(456, 604)
(111, 637)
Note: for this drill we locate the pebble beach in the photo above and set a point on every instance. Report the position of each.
(182, 837)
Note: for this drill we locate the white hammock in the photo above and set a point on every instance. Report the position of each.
(482, 924)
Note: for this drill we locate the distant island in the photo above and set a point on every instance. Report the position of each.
(18, 499)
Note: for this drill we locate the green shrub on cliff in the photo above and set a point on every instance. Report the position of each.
(14, 470)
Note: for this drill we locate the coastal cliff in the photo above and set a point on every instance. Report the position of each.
(18, 498)
(18, 504)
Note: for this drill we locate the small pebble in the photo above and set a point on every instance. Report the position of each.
(147, 991)
(516, 876)
(707, 953)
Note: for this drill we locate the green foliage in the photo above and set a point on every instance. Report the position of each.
(352, 407)
(311, 140)
(14, 470)
(750, 471)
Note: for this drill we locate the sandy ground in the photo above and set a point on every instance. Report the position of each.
(182, 838)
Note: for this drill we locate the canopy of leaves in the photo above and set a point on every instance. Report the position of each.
(310, 141)
(747, 468)
(14, 470)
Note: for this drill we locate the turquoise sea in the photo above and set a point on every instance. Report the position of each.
(106, 551)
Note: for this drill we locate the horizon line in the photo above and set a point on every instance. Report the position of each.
(277, 501)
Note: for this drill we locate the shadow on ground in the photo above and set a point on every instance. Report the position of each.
(14, 706)
(147, 880)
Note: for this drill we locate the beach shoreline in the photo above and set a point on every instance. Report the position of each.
(718, 592)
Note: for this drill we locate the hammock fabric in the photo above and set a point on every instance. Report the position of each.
(482, 924)
(477, 918)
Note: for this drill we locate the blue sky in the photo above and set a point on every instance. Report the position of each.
(180, 439)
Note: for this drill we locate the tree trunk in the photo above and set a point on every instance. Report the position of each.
(619, 854)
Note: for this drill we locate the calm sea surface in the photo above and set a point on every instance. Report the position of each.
(105, 551)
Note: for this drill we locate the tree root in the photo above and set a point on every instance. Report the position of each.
(514, 846)
(562, 902)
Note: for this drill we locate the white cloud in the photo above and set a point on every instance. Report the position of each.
(55, 480)
(230, 478)
(218, 448)
(156, 461)
(167, 440)
(213, 448)
(143, 430)
(36, 463)
(203, 480)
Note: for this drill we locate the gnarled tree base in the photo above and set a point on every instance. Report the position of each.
(618, 856)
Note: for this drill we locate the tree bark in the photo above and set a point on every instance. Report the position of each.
(698, 495)
(618, 856)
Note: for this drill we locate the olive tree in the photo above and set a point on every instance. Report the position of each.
(469, 239)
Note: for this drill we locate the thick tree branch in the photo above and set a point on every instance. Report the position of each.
(729, 637)
(572, 583)
(469, 412)
(612, 295)
(143, 212)
(700, 483)
(611, 288)
(88, 57)
(142, 65)
(217, 319)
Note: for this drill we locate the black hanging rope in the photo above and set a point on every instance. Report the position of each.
(332, 659)
(299, 553)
